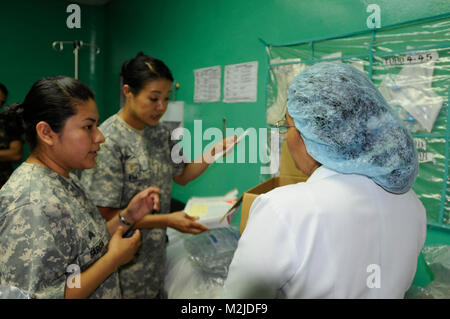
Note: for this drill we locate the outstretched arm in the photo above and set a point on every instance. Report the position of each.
(193, 170)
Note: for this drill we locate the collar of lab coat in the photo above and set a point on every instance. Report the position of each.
(321, 173)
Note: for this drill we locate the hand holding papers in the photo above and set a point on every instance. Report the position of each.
(186, 223)
(224, 148)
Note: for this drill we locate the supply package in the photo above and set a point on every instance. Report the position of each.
(213, 211)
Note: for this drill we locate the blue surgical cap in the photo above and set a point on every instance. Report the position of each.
(348, 127)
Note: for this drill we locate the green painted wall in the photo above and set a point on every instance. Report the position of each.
(193, 34)
(28, 28)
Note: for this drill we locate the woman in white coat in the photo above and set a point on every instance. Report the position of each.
(355, 228)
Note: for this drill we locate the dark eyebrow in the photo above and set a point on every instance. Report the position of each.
(157, 91)
(90, 119)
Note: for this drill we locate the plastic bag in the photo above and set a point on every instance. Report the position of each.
(197, 265)
(437, 258)
(284, 75)
(7, 292)
(411, 89)
(212, 251)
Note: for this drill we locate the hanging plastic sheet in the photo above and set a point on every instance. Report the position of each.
(410, 64)
(411, 67)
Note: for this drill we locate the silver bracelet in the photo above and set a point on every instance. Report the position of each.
(123, 220)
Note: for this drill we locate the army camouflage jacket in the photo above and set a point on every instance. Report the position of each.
(128, 162)
(48, 227)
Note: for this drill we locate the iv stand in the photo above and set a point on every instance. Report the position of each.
(77, 45)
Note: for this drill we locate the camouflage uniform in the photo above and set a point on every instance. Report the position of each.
(127, 163)
(46, 224)
(9, 132)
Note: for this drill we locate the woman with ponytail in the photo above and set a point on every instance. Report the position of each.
(136, 154)
(54, 242)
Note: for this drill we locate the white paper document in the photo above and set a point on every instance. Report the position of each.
(207, 84)
(240, 84)
(211, 210)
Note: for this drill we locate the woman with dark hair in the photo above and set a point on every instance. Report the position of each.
(10, 143)
(10, 138)
(54, 242)
(136, 154)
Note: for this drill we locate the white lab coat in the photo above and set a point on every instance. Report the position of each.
(334, 236)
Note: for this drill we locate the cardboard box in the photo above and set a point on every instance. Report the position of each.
(289, 174)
